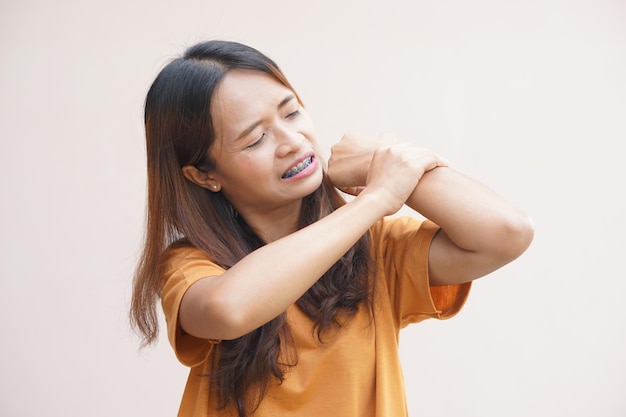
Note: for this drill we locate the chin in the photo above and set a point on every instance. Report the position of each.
(314, 183)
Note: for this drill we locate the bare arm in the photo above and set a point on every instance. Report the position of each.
(263, 284)
(480, 231)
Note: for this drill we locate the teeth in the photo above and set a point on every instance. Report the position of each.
(298, 168)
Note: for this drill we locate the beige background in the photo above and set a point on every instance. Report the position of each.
(527, 96)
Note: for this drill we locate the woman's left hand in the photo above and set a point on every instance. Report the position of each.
(350, 160)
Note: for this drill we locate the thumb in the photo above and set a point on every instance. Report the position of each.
(352, 190)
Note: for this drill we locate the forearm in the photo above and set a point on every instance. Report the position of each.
(266, 282)
(487, 231)
(470, 213)
(480, 230)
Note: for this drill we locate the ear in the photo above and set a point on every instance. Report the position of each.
(201, 178)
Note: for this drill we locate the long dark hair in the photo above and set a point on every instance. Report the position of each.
(180, 132)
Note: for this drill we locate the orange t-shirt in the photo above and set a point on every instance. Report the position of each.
(356, 370)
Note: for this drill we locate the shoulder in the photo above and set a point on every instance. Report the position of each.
(180, 252)
(184, 264)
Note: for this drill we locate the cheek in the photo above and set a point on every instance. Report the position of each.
(247, 167)
(255, 166)
(307, 123)
(307, 128)
(315, 144)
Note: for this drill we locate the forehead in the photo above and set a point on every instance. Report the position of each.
(246, 94)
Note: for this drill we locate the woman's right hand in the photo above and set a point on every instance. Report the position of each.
(395, 171)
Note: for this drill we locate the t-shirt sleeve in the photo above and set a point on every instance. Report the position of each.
(185, 266)
(401, 246)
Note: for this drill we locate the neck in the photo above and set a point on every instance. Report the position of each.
(273, 224)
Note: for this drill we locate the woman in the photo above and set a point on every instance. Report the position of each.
(282, 298)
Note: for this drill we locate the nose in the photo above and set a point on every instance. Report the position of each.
(289, 141)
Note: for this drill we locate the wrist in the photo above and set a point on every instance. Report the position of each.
(375, 203)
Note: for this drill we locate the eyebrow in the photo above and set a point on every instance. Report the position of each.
(253, 126)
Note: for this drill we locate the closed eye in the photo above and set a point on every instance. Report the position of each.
(293, 114)
(256, 143)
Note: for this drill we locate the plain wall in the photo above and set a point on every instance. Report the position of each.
(528, 97)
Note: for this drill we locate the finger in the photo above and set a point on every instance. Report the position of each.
(352, 190)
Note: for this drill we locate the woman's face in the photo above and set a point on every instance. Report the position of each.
(266, 153)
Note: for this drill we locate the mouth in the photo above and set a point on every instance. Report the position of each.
(298, 168)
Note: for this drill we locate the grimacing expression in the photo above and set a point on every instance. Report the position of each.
(266, 151)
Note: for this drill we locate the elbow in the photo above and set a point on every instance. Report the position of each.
(517, 234)
(213, 316)
(231, 321)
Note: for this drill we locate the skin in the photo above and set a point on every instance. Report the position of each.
(263, 133)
